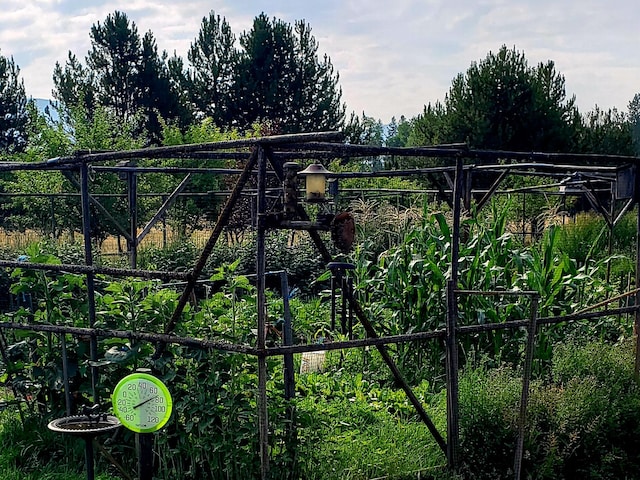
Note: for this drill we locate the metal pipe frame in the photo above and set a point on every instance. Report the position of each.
(275, 150)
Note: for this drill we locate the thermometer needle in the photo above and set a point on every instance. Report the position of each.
(145, 401)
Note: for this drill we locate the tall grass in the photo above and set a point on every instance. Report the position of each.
(583, 419)
(32, 452)
(353, 429)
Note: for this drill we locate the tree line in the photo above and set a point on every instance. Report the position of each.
(127, 93)
(274, 74)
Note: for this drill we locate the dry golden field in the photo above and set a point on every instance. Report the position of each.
(18, 241)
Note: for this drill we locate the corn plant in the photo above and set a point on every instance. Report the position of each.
(407, 287)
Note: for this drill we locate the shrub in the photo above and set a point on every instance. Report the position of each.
(582, 423)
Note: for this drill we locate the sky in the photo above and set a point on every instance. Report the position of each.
(393, 57)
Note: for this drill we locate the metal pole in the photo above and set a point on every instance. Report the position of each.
(263, 418)
(333, 301)
(132, 192)
(343, 305)
(350, 310)
(291, 439)
(636, 323)
(524, 399)
(144, 442)
(65, 374)
(88, 458)
(88, 257)
(451, 341)
(289, 375)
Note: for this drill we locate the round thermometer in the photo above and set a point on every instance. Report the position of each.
(142, 402)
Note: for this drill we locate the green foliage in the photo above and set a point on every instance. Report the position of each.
(58, 298)
(406, 285)
(606, 132)
(398, 132)
(281, 78)
(581, 424)
(364, 130)
(29, 451)
(124, 74)
(295, 254)
(176, 257)
(489, 401)
(190, 214)
(13, 108)
(502, 103)
(431, 127)
(210, 80)
(583, 238)
(354, 429)
(213, 434)
(586, 238)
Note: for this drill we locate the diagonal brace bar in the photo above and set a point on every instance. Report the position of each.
(357, 309)
(223, 219)
(163, 209)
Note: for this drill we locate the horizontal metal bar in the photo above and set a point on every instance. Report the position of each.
(84, 269)
(496, 293)
(128, 334)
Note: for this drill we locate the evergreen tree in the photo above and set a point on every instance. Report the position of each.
(634, 119)
(212, 76)
(502, 103)
(317, 96)
(157, 98)
(74, 88)
(606, 132)
(431, 127)
(124, 74)
(398, 132)
(115, 59)
(13, 107)
(364, 130)
(281, 79)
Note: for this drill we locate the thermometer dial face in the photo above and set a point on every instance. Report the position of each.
(142, 402)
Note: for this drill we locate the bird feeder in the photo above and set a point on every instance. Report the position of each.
(316, 181)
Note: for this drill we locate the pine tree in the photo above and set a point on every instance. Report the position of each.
(74, 88)
(502, 103)
(115, 59)
(13, 107)
(211, 78)
(281, 79)
(124, 74)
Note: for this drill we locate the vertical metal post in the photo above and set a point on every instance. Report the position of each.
(132, 192)
(611, 224)
(333, 301)
(263, 417)
(636, 323)
(451, 341)
(164, 225)
(287, 333)
(88, 258)
(144, 443)
(524, 215)
(524, 398)
(343, 307)
(53, 217)
(65, 374)
(289, 378)
(350, 294)
(88, 458)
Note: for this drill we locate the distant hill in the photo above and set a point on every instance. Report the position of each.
(43, 104)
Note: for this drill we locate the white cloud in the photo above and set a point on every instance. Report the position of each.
(392, 57)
